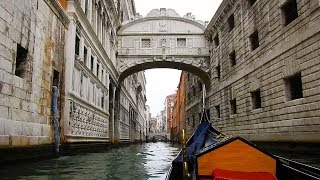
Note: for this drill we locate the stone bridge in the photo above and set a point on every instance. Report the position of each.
(160, 135)
(163, 39)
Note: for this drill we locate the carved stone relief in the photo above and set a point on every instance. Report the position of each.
(85, 122)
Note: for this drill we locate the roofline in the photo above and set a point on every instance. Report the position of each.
(160, 18)
(215, 17)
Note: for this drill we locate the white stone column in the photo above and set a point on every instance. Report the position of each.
(83, 4)
(89, 13)
(70, 56)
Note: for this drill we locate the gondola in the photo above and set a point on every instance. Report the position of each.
(209, 154)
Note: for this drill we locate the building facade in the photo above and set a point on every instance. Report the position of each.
(178, 111)
(32, 62)
(90, 74)
(264, 71)
(70, 45)
(98, 107)
(168, 108)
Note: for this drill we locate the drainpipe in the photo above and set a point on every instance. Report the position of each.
(55, 118)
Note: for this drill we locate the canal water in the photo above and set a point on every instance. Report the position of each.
(134, 162)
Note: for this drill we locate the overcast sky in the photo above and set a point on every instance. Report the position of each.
(163, 82)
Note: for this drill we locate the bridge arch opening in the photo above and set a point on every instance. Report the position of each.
(204, 76)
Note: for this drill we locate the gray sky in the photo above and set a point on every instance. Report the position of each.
(163, 82)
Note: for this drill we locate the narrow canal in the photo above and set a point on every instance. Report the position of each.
(134, 162)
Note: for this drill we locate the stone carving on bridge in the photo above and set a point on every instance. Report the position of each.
(201, 63)
(162, 26)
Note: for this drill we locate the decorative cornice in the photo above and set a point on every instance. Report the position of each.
(160, 18)
(225, 7)
(75, 97)
(58, 11)
(159, 34)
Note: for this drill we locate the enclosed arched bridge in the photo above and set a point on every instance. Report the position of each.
(163, 39)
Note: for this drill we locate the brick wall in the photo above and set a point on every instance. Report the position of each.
(284, 50)
(35, 30)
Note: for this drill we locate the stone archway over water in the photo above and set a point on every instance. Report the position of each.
(163, 39)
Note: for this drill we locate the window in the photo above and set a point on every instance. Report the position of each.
(218, 72)
(231, 22)
(254, 40)
(193, 121)
(293, 87)
(102, 101)
(145, 43)
(85, 55)
(193, 91)
(233, 106)
(77, 48)
(208, 114)
(102, 74)
(216, 40)
(188, 121)
(256, 99)
(289, 11)
(21, 61)
(251, 2)
(86, 6)
(181, 42)
(98, 70)
(91, 64)
(200, 86)
(218, 111)
(232, 57)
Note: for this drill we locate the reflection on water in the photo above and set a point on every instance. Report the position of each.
(135, 162)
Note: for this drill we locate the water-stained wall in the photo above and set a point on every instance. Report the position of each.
(31, 62)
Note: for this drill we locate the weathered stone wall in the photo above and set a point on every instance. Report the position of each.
(38, 27)
(284, 50)
(193, 102)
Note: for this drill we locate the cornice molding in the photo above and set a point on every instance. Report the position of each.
(219, 17)
(75, 97)
(160, 18)
(58, 11)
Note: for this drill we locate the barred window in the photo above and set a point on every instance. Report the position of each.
(145, 43)
(181, 42)
(289, 11)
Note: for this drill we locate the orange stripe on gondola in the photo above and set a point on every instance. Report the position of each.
(236, 156)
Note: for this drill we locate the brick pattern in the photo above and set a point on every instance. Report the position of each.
(283, 51)
(25, 103)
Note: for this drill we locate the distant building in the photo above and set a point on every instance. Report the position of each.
(178, 112)
(168, 107)
(153, 125)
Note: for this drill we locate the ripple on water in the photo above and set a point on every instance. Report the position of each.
(134, 162)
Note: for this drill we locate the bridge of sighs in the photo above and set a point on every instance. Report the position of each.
(163, 39)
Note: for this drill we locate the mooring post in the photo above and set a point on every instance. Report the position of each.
(55, 118)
